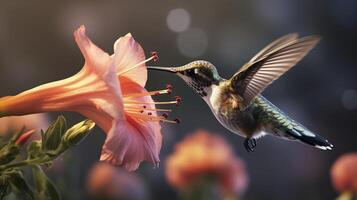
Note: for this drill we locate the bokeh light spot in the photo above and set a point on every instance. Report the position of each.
(192, 43)
(178, 20)
(349, 99)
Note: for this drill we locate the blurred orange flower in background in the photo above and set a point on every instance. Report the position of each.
(110, 91)
(344, 173)
(107, 182)
(203, 155)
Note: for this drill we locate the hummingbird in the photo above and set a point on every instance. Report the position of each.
(237, 102)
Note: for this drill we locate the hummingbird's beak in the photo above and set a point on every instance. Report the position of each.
(165, 69)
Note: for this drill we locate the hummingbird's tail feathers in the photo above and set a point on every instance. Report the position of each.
(310, 138)
(279, 124)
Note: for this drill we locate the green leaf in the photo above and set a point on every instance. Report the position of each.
(78, 132)
(8, 153)
(45, 188)
(19, 185)
(51, 139)
(2, 143)
(17, 135)
(4, 186)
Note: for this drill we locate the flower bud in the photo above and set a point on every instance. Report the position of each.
(10, 151)
(24, 137)
(78, 132)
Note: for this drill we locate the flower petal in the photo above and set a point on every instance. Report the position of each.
(128, 87)
(134, 140)
(95, 58)
(99, 69)
(130, 142)
(129, 53)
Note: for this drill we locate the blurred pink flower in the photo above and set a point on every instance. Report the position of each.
(202, 155)
(109, 90)
(13, 124)
(107, 182)
(344, 173)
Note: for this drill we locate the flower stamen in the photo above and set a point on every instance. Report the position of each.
(165, 115)
(159, 110)
(154, 54)
(153, 57)
(169, 87)
(153, 102)
(151, 93)
(175, 121)
(151, 117)
(143, 109)
(146, 116)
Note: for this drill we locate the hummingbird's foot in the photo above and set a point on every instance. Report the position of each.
(250, 144)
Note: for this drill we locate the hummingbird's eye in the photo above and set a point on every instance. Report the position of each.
(190, 72)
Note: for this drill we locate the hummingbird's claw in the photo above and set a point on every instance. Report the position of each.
(250, 144)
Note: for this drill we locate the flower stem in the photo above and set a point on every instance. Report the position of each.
(12, 165)
(23, 163)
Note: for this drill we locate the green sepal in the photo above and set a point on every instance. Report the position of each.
(16, 136)
(52, 137)
(45, 189)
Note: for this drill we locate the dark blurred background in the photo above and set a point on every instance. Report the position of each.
(36, 46)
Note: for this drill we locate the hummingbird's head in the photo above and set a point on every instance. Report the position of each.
(200, 75)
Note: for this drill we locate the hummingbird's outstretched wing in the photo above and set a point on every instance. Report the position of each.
(273, 46)
(269, 64)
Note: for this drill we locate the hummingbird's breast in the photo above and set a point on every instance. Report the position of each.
(225, 106)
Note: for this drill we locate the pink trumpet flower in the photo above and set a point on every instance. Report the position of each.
(110, 91)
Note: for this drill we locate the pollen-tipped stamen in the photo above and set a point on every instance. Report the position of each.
(168, 86)
(165, 115)
(158, 110)
(153, 57)
(178, 99)
(154, 118)
(175, 121)
(154, 54)
(149, 116)
(152, 102)
(151, 93)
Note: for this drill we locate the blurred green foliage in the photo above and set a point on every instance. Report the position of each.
(56, 140)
